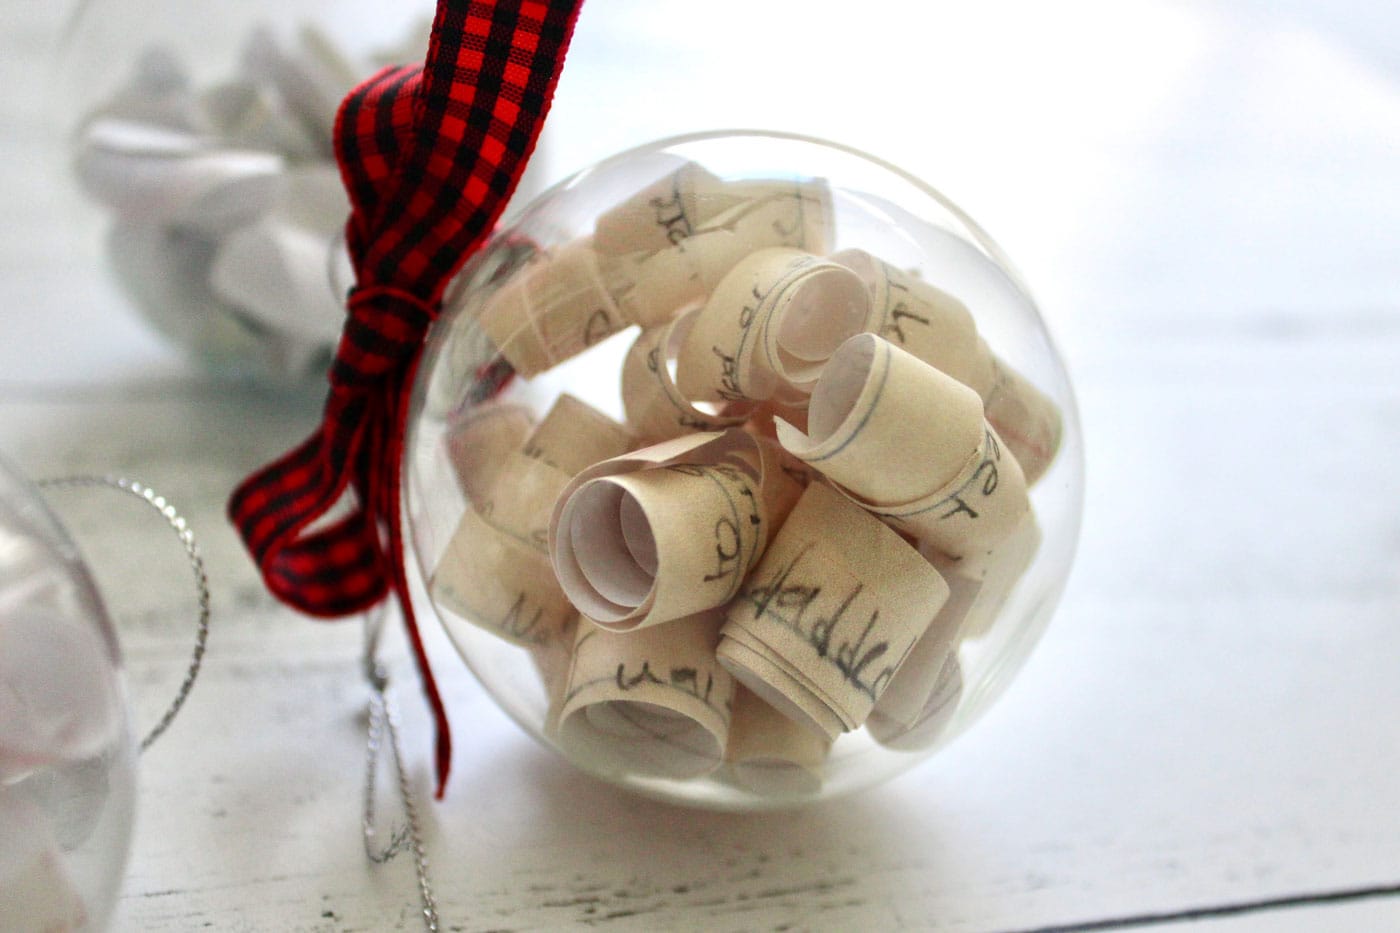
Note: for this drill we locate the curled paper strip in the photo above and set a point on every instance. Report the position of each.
(500, 582)
(571, 436)
(912, 731)
(155, 175)
(652, 702)
(769, 328)
(1025, 418)
(554, 309)
(771, 754)
(690, 200)
(938, 329)
(910, 444)
(656, 409)
(669, 530)
(574, 435)
(660, 215)
(480, 440)
(917, 692)
(553, 658)
(36, 891)
(829, 614)
(634, 554)
(650, 288)
(987, 579)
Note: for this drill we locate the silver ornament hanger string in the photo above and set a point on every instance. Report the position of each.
(383, 722)
(182, 531)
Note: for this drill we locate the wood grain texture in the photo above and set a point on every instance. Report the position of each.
(1210, 720)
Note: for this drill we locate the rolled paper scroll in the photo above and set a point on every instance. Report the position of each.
(770, 754)
(279, 274)
(985, 581)
(660, 215)
(36, 891)
(914, 694)
(667, 531)
(480, 440)
(690, 200)
(648, 547)
(553, 658)
(501, 583)
(652, 702)
(571, 436)
(553, 309)
(769, 328)
(825, 620)
(651, 288)
(154, 175)
(656, 409)
(938, 329)
(574, 435)
(1026, 418)
(929, 722)
(909, 443)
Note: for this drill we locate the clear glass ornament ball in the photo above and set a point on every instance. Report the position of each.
(67, 760)
(742, 470)
(200, 136)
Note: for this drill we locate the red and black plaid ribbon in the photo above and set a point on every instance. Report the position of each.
(429, 157)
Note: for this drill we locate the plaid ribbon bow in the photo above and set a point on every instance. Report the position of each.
(429, 157)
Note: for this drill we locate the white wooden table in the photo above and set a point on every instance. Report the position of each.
(1207, 201)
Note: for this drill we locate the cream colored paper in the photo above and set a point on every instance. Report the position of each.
(690, 200)
(930, 723)
(769, 328)
(668, 530)
(829, 614)
(938, 329)
(912, 697)
(652, 702)
(987, 579)
(553, 309)
(910, 444)
(923, 320)
(480, 441)
(651, 288)
(656, 409)
(522, 498)
(662, 214)
(574, 435)
(553, 658)
(769, 753)
(655, 545)
(1026, 419)
(500, 583)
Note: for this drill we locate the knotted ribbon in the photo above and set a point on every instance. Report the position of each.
(429, 157)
